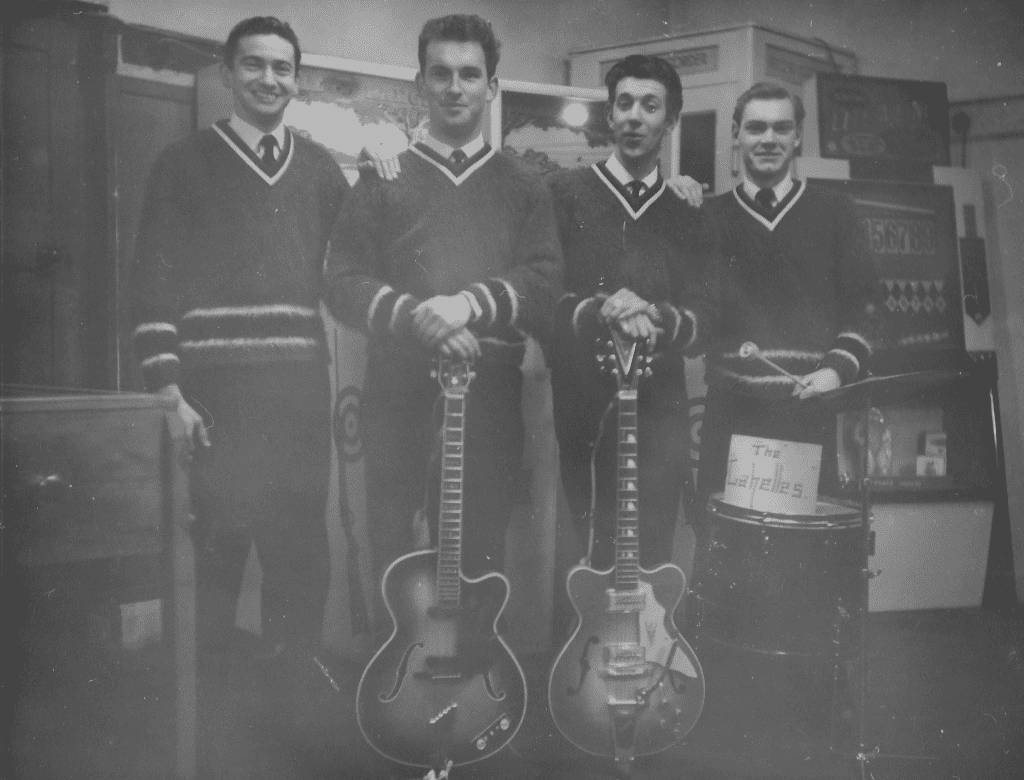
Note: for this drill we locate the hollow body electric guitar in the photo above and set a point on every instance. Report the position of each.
(626, 683)
(445, 687)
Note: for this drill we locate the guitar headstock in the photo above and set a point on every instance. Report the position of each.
(454, 375)
(625, 359)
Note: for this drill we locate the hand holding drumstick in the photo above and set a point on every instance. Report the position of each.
(809, 386)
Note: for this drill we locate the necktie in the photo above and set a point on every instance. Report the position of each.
(457, 161)
(268, 144)
(765, 198)
(635, 189)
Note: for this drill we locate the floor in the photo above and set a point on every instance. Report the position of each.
(944, 698)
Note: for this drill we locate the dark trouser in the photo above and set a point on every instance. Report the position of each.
(264, 481)
(663, 448)
(401, 422)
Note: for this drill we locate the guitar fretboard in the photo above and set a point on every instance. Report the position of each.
(627, 496)
(449, 548)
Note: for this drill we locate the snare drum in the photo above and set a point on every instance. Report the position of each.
(780, 584)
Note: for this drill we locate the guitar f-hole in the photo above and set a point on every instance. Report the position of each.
(403, 667)
(584, 666)
(489, 687)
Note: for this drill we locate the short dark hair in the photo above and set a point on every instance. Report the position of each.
(260, 25)
(769, 90)
(645, 66)
(462, 28)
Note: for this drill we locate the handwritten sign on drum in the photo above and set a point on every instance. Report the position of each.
(772, 475)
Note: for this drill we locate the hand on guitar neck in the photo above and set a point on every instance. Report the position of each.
(631, 316)
(461, 345)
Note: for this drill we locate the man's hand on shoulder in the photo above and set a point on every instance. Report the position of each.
(818, 382)
(386, 167)
(686, 188)
(435, 319)
(194, 427)
(382, 156)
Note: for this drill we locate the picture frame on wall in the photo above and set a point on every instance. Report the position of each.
(550, 126)
(347, 105)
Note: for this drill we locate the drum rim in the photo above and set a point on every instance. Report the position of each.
(844, 519)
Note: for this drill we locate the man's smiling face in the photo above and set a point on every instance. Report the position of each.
(768, 138)
(262, 79)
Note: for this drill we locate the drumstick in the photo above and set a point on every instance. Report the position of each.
(750, 350)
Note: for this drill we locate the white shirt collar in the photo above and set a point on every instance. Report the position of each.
(624, 177)
(445, 150)
(781, 189)
(251, 135)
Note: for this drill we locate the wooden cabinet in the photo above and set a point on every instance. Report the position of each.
(88, 103)
(55, 269)
(93, 476)
(85, 478)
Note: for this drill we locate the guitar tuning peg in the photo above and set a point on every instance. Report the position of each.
(601, 357)
(433, 373)
(615, 372)
(647, 371)
(610, 344)
(597, 341)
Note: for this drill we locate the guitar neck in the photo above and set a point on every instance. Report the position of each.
(449, 552)
(627, 496)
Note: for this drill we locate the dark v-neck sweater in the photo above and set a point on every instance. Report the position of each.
(799, 284)
(656, 246)
(228, 258)
(488, 231)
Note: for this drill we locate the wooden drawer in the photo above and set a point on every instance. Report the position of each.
(84, 480)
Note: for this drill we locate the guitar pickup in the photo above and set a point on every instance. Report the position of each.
(625, 601)
(442, 669)
(625, 659)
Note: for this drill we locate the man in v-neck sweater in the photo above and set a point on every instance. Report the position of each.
(795, 279)
(459, 256)
(229, 258)
(635, 256)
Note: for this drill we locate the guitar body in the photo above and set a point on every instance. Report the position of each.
(626, 683)
(445, 686)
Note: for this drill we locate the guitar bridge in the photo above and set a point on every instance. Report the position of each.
(625, 659)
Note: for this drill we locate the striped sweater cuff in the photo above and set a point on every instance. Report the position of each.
(679, 324)
(161, 370)
(498, 302)
(156, 347)
(475, 310)
(576, 317)
(848, 357)
(390, 312)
